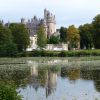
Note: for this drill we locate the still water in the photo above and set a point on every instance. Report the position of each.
(53, 79)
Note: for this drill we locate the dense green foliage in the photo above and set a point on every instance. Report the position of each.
(90, 34)
(54, 40)
(73, 36)
(63, 34)
(71, 53)
(7, 46)
(86, 35)
(8, 92)
(13, 39)
(41, 38)
(96, 25)
(21, 36)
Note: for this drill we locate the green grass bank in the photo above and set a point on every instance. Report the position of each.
(42, 53)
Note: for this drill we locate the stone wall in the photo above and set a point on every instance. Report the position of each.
(57, 47)
(33, 43)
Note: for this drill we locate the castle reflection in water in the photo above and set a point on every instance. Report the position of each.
(49, 75)
(43, 77)
(46, 76)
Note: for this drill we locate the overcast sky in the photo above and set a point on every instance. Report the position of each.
(67, 12)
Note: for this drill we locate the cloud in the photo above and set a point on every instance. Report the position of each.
(66, 11)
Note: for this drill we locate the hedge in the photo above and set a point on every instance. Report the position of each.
(42, 53)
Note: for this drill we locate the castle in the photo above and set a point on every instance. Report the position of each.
(33, 24)
(48, 23)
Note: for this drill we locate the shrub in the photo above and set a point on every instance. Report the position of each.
(8, 92)
(8, 50)
(63, 54)
(43, 53)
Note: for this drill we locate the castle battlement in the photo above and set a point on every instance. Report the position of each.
(49, 17)
(48, 22)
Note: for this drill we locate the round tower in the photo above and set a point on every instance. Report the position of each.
(50, 22)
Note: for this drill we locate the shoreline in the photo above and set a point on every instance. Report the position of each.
(71, 53)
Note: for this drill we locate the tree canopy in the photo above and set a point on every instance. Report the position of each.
(5, 35)
(86, 36)
(54, 40)
(73, 36)
(7, 46)
(21, 36)
(41, 38)
(63, 34)
(96, 25)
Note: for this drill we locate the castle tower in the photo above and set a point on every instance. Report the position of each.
(45, 13)
(50, 21)
(22, 21)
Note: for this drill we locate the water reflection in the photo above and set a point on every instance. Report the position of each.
(48, 77)
(43, 77)
(72, 74)
(16, 75)
(92, 75)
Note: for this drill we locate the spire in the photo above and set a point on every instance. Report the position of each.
(23, 20)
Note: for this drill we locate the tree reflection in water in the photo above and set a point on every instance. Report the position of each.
(46, 76)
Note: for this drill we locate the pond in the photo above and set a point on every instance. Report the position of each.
(53, 78)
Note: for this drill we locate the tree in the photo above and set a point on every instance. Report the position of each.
(73, 37)
(21, 36)
(54, 40)
(5, 35)
(41, 38)
(63, 34)
(86, 36)
(96, 25)
(7, 46)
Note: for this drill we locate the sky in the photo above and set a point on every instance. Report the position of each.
(67, 12)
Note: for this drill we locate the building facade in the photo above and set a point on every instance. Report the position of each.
(33, 24)
(48, 23)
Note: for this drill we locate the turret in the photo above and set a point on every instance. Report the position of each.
(29, 21)
(50, 22)
(22, 21)
(35, 18)
(45, 14)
